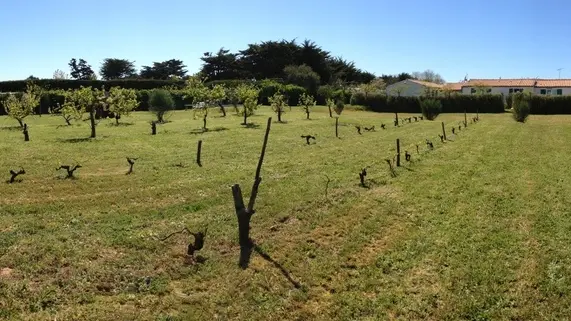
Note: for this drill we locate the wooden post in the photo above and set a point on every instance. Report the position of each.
(26, 135)
(398, 152)
(443, 131)
(337, 127)
(153, 128)
(243, 213)
(198, 151)
(465, 118)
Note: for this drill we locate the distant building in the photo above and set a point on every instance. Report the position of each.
(411, 88)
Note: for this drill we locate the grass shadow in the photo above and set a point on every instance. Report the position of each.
(74, 140)
(251, 126)
(13, 128)
(207, 130)
(120, 124)
(246, 253)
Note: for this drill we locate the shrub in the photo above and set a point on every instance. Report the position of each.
(65, 84)
(339, 106)
(160, 103)
(293, 93)
(324, 93)
(268, 88)
(430, 107)
(521, 106)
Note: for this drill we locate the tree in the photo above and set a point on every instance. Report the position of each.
(69, 110)
(164, 70)
(375, 86)
(233, 98)
(248, 95)
(20, 108)
(330, 104)
(87, 99)
(60, 75)
(279, 104)
(306, 101)
(302, 76)
(160, 103)
(113, 68)
(81, 70)
(428, 75)
(121, 102)
(216, 95)
(222, 65)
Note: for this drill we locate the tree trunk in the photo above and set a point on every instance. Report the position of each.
(67, 121)
(117, 120)
(330, 113)
(307, 114)
(222, 109)
(245, 117)
(21, 123)
(279, 115)
(337, 127)
(204, 122)
(92, 122)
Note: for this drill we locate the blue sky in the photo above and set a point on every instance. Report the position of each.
(481, 38)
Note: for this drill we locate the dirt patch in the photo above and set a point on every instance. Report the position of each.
(6, 272)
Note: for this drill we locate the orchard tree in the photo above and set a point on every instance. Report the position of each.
(196, 90)
(70, 110)
(233, 98)
(248, 96)
(279, 104)
(330, 104)
(306, 101)
(216, 96)
(20, 108)
(87, 99)
(160, 103)
(121, 102)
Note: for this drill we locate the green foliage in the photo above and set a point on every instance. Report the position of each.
(293, 93)
(430, 107)
(22, 107)
(160, 103)
(169, 69)
(81, 70)
(339, 106)
(121, 102)
(196, 90)
(306, 101)
(303, 76)
(550, 105)
(248, 96)
(323, 93)
(521, 106)
(65, 84)
(268, 88)
(113, 68)
(279, 104)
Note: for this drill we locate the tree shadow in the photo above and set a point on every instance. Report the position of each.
(251, 126)
(120, 124)
(246, 253)
(11, 128)
(74, 140)
(207, 130)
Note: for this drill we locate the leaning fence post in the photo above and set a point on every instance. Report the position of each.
(398, 152)
(443, 131)
(198, 151)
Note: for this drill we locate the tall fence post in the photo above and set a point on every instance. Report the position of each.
(465, 118)
(443, 131)
(198, 152)
(398, 152)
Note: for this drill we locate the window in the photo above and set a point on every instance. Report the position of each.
(516, 90)
(473, 90)
(549, 91)
(542, 92)
(559, 91)
(511, 90)
(489, 90)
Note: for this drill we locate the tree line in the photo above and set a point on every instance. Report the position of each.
(304, 64)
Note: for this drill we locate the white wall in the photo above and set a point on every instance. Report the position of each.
(406, 88)
(496, 90)
(566, 90)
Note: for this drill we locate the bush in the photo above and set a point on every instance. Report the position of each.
(65, 84)
(323, 93)
(268, 88)
(293, 93)
(550, 105)
(160, 103)
(339, 106)
(431, 107)
(521, 106)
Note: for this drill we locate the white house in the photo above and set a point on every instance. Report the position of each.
(410, 87)
(508, 86)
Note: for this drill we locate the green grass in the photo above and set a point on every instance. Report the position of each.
(477, 229)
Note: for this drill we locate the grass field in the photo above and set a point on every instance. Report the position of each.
(479, 228)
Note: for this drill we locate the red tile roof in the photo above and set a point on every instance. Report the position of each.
(426, 83)
(500, 83)
(457, 86)
(551, 83)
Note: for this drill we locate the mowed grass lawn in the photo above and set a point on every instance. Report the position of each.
(479, 228)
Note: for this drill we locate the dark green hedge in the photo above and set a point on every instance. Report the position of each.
(550, 105)
(53, 84)
(452, 104)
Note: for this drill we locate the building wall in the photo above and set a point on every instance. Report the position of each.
(506, 90)
(406, 88)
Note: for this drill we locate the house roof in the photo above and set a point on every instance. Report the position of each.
(457, 86)
(550, 83)
(426, 83)
(500, 82)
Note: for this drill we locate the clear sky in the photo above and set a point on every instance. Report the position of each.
(481, 38)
